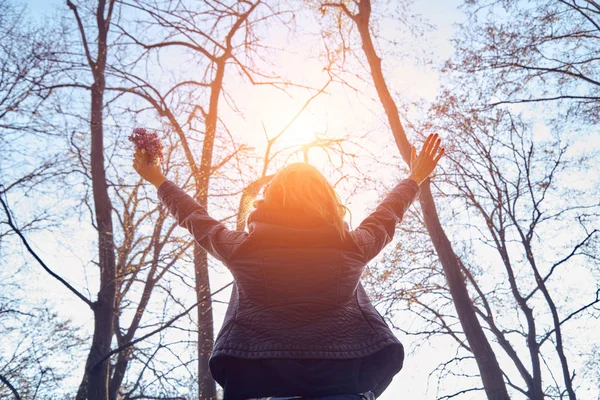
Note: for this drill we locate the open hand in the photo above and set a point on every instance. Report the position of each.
(147, 169)
(422, 166)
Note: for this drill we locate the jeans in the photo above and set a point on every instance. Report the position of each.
(360, 396)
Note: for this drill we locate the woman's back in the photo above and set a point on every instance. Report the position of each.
(301, 281)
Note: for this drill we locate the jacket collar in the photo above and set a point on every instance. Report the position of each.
(287, 218)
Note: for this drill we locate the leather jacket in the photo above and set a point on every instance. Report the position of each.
(297, 290)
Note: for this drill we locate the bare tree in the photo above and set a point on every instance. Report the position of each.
(29, 362)
(359, 12)
(95, 49)
(530, 52)
(516, 196)
(515, 202)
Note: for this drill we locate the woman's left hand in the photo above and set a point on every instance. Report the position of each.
(152, 172)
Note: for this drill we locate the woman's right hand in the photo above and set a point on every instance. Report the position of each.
(422, 166)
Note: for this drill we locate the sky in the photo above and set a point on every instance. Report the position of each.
(411, 79)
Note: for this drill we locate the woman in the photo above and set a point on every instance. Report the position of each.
(299, 323)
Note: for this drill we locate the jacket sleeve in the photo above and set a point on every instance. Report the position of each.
(377, 230)
(212, 235)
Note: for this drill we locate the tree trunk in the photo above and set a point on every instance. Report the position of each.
(207, 388)
(104, 307)
(98, 373)
(491, 374)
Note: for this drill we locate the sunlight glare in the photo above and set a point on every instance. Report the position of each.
(275, 116)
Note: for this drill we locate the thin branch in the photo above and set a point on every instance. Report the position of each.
(449, 396)
(18, 232)
(83, 38)
(573, 314)
(341, 6)
(566, 97)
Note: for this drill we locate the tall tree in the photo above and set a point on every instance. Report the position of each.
(537, 53)
(515, 208)
(491, 374)
(96, 383)
(27, 61)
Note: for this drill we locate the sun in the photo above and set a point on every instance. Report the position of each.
(298, 128)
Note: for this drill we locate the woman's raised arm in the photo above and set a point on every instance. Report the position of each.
(377, 230)
(211, 234)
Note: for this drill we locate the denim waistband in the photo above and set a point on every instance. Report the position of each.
(359, 396)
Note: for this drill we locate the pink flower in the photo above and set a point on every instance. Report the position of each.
(148, 142)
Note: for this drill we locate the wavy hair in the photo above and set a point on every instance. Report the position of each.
(301, 187)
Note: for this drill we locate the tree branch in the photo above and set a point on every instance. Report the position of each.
(18, 232)
(88, 55)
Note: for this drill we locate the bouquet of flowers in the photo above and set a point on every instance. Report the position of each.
(149, 144)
